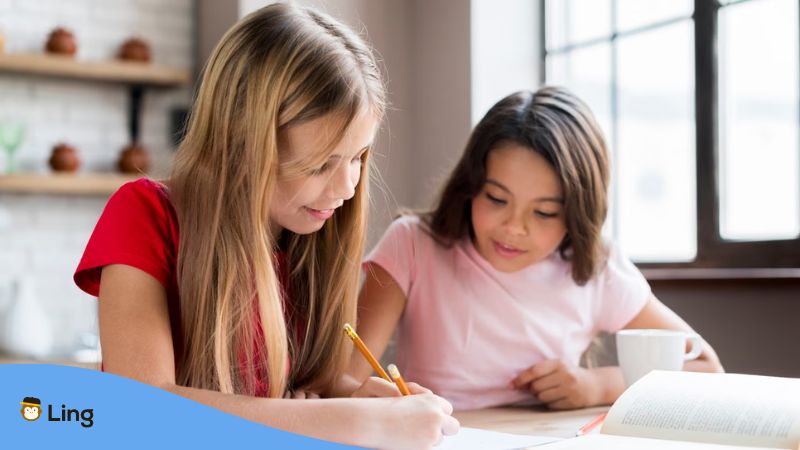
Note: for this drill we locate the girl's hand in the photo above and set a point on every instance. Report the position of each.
(560, 385)
(378, 387)
(415, 422)
(301, 394)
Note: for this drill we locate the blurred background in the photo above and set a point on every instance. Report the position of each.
(698, 100)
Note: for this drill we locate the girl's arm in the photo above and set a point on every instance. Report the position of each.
(380, 305)
(137, 343)
(658, 316)
(563, 386)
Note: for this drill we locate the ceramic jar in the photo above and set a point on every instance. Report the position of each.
(64, 158)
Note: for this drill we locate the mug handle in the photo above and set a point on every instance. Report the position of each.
(696, 346)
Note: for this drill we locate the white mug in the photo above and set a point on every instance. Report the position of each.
(641, 351)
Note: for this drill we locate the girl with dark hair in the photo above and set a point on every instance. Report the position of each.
(500, 288)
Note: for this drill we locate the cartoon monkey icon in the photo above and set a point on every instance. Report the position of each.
(31, 408)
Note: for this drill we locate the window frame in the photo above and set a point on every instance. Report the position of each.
(712, 250)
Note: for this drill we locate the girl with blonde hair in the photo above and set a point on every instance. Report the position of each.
(499, 289)
(230, 282)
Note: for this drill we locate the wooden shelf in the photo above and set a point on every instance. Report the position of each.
(109, 71)
(136, 76)
(64, 184)
(60, 362)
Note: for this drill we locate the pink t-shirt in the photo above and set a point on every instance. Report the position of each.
(468, 329)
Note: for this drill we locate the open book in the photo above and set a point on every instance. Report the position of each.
(688, 410)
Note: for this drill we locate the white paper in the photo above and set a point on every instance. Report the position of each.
(473, 438)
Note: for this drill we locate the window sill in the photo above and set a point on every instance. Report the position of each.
(659, 274)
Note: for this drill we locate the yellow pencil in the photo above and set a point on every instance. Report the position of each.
(398, 379)
(365, 351)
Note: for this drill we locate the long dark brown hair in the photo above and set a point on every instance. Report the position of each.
(557, 125)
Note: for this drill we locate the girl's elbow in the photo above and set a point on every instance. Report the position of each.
(717, 367)
(712, 362)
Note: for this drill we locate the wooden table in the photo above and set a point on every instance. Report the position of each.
(532, 420)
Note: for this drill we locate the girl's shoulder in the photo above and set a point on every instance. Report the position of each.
(143, 196)
(138, 227)
(408, 252)
(143, 188)
(410, 227)
(611, 252)
(142, 207)
(404, 223)
(409, 234)
(615, 263)
(408, 221)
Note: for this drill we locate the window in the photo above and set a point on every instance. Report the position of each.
(699, 103)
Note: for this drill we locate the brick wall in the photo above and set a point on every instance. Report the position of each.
(42, 236)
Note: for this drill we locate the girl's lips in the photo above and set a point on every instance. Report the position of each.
(506, 251)
(320, 214)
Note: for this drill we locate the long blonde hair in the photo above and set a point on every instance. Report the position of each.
(278, 67)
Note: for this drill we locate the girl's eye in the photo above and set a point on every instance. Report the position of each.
(321, 170)
(545, 215)
(495, 200)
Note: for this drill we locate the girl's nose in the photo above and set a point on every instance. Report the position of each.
(344, 181)
(515, 225)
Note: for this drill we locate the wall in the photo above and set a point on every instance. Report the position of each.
(753, 324)
(43, 236)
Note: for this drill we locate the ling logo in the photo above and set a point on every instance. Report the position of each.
(31, 408)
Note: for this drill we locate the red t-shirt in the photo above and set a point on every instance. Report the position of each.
(139, 228)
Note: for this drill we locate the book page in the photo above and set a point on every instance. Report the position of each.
(611, 442)
(473, 438)
(745, 410)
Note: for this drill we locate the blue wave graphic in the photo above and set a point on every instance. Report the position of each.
(125, 414)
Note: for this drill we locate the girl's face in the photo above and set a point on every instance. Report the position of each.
(518, 216)
(303, 203)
